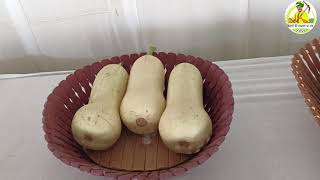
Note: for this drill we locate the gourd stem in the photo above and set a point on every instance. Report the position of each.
(152, 49)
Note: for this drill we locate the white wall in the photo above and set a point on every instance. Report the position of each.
(47, 35)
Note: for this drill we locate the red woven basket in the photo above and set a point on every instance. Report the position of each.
(73, 92)
(306, 69)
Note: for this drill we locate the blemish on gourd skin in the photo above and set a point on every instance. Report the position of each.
(184, 144)
(141, 122)
(103, 118)
(87, 137)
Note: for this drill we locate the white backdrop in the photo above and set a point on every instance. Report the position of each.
(48, 35)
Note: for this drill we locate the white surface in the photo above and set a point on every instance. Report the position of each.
(49, 35)
(273, 135)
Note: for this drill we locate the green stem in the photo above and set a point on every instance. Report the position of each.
(152, 49)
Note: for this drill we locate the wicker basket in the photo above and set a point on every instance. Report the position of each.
(73, 92)
(306, 69)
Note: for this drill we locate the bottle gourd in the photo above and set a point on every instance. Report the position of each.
(143, 103)
(184, 125)
(97, 125)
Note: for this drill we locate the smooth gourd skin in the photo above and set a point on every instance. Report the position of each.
(143, 103)
(184, 125)
(97, 125)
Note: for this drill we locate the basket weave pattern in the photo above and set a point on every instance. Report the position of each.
(306, 69)
(73, 92)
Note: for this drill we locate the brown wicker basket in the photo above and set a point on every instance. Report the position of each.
(306, 69)
(73, 92)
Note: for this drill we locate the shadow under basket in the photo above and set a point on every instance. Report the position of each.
(131, 157)
(306, 69)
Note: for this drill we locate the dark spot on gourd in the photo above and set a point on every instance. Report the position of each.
(184, 144)
(141, 122)
(87, 137)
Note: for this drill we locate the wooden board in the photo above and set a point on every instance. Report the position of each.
(134, 152)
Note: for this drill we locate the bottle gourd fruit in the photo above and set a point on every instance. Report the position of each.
(184, 125)
(143, 103)
(97, 125)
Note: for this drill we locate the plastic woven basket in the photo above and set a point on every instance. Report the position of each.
(306, 69)
(73, 92)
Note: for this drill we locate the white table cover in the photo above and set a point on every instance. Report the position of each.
(273, 135)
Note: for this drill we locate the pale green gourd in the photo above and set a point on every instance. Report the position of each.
(184, 125)
(97, 125)
(143, 103)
